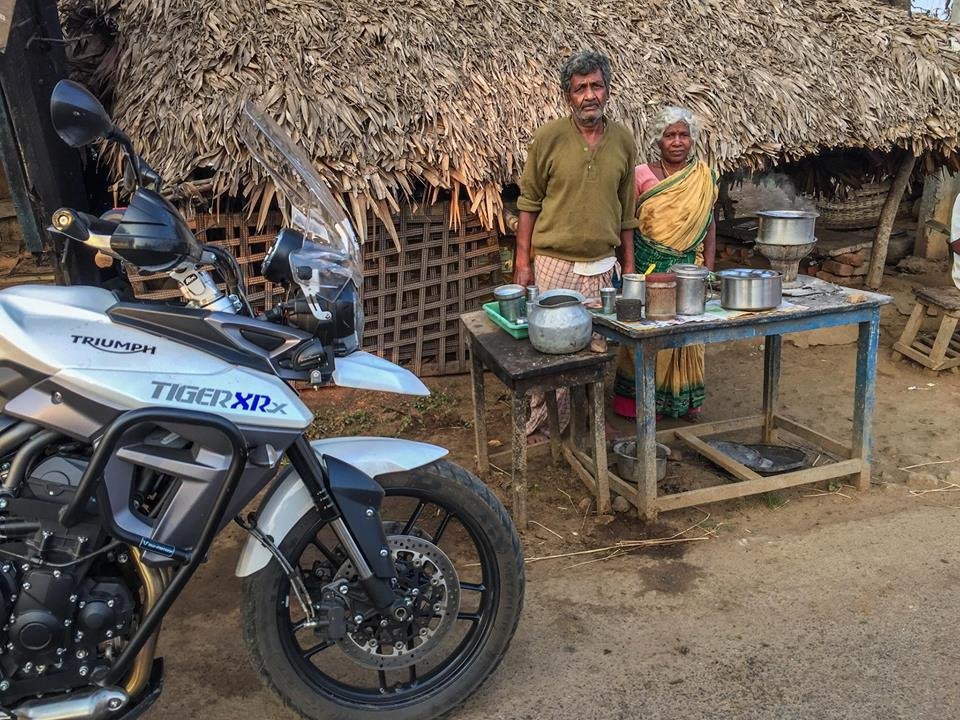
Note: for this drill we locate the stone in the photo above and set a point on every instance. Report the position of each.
(585, 504)
(922, 480)
(603, 519)
(620, 504)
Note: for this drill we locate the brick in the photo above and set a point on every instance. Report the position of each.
(856, 259)
(837, 280)
(838, 268)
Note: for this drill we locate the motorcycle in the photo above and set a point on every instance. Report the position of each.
(379, 578)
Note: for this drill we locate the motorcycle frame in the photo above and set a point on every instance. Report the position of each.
(354, 490)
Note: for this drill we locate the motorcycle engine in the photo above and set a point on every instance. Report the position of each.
(63, 617)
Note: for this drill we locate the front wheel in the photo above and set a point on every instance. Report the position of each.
(459, 562)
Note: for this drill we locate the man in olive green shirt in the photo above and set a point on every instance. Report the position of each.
(577, 200)
(577, 191)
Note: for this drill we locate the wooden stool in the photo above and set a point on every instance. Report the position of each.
(937, 353)
(524, 370)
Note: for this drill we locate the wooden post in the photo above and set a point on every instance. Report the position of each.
(887, 217)
(520, 406)
(771, 385)
(45, 172)
(479, 412)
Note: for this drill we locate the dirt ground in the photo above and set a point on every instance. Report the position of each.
(817, 602)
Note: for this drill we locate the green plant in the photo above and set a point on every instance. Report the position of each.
(774, 499)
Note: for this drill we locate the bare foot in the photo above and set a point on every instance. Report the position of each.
(537, 437)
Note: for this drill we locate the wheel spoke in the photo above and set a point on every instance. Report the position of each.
(473, 587)
(413, 674)
(413, 518)
(331, 558)
(319, 647)
(382, 677)
(441, 527)
(472, 617)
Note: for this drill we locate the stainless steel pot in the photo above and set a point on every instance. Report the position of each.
(559, 324)
(750, 289)
(691, 288)
(786, 227)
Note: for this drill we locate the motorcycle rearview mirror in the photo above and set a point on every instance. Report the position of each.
(142, 173)
(78, 117)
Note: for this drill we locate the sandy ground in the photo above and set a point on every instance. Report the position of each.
(798, 604)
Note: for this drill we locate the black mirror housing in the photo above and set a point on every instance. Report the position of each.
(78, 117)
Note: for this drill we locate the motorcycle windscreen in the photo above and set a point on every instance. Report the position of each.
(368, 372)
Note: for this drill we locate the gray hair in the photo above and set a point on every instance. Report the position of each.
(584, 63)
(671, 115)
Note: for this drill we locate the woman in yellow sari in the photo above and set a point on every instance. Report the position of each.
(675, 198)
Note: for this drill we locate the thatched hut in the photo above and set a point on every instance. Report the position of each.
(402, 101)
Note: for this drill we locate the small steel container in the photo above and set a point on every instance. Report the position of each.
(511, 302)
(608, 300)
(691, 288)
(661, 296)
(533, 294)
(634, 287)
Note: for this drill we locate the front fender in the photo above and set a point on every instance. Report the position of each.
(290, 500)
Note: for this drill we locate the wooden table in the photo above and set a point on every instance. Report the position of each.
(523, 369)
(833, 307)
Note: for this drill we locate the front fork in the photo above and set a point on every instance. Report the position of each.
(349, 502)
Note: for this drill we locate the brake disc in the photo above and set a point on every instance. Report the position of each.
(385, 643)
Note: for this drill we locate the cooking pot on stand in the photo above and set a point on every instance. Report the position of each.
(786, 227)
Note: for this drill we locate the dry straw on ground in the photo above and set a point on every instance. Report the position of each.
(448, 92)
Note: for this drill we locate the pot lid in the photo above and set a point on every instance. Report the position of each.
(689, 270)
(749, 273)
(509, 292)
(789, 214)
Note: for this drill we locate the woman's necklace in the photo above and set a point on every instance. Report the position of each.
(663, 169)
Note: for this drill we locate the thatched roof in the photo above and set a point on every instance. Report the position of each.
(448, 92)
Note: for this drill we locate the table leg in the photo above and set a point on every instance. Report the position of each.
(479, 415)
(771, 384)
(645, 470)
(578, 412)
(867, 343)
(553, 423)
(597, 421)
(519, 467)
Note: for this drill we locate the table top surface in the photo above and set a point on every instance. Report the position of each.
(518, 359)
(829, 299)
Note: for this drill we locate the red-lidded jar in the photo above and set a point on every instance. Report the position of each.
(661, 296)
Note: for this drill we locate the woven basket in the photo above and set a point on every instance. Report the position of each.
(860, 210)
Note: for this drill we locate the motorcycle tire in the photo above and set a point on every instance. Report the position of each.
(486, 521)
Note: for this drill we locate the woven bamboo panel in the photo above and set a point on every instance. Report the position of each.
(412, 299)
